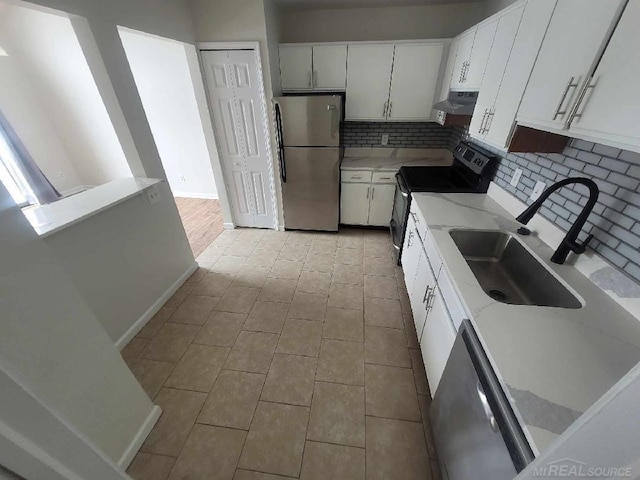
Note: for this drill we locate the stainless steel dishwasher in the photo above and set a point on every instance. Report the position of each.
(476, 432)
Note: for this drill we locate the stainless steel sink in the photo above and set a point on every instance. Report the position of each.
(508, 273)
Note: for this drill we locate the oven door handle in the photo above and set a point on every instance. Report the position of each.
(402, 186)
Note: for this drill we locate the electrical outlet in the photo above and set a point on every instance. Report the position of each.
(181, 178)
(60, 174)
(516, 177)
(385, 139)
(537, 190)
(153, 194)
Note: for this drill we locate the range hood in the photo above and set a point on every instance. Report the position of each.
(458, 103)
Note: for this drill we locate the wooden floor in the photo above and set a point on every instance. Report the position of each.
(202, 220)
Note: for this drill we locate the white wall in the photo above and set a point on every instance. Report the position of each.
(54, 348)
(161, 72)
(493, 6)
(48, 50)
(383, 23)
(31, 121)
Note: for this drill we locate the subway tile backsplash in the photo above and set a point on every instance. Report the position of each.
(401, 135)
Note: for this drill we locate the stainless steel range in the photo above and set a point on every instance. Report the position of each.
(471, 172)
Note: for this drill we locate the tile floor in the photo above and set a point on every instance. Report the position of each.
(286, 355)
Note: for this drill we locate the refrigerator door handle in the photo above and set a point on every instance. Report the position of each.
(281, 160)
(334, 125)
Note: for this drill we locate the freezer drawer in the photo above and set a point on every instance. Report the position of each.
(310, 121)
(311, 192)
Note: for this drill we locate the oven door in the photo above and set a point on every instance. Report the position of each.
(399, 216)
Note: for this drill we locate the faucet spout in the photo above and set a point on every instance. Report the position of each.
(570, 241)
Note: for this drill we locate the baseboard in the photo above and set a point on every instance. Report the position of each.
(140, 437)
(153, 309)
(228, 225)
(208, 196)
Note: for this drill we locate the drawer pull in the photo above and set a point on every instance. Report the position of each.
(356, 177)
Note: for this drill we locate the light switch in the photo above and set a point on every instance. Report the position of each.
(385, 139)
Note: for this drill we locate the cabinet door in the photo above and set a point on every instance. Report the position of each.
(424, 284)
(354, 203)
(448, 71)
(413, 81)
(576, 33)
(411, 251)
(329, 67)
(368, 81)
(381, 205)
(480, 55)
(463, 54)
(436, 341)
(611, 108)
(295, 67)
(535, 20)
(502, 45)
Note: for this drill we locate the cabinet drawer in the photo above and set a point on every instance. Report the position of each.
(384, 177)
(356, 176)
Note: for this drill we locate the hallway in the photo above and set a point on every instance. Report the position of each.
(202, 220)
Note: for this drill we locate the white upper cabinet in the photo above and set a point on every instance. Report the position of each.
(447, 78)
(502, 46)
(610, 108)
(528, 39)
(329, 67)
(482, 43)
(572, 44)
(368, 81)
(462, 59)
(413, 81)
(296, 67)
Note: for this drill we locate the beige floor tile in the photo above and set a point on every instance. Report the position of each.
(267, 317)
(210, 452)
(290, 380)
(323, 247)
(213, 284)
(233, 400)
(308, 306)
(377, 249)
(405, 303)
(156, 322)
(425, 403)
(226, 237)
(296, 253)
(343, 324)
(380, 287)
(276, 439)
(272, 243)
(262, 257)
(228, 264)
(214, 251)
(278, 290)
(195, 310)
(179, 411)
(323, 461)
(419, 373)
(198, 368)
(410, 331)
(341, 362)
(180, 295)
(377, 236)
(352, 274)
(146, 466)
(241, 249)
(251, 276)
(201, 271)
(386, 346)
(221, 329)
(151, 374)
(238, 299)
(314, 282)
(170, 343)
(345, 296)
(134, 348)
(349, 256)
(250, 234)
(384, 267)
(391, 393)
(319, 263)
(252, 352)
(300, 337)
(383, 312)
(249, 475)
(351, 239)
(286, 269)
(299, 238)
(337, 414)
(395, 446)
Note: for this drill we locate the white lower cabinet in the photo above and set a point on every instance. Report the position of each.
(366, 198)
(420, 294)
(354, 203)
(381, 204)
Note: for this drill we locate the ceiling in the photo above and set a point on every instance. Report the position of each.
(326, 4)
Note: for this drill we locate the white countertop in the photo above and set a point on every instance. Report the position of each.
(391, 159)
(554, 362)
(49, 219)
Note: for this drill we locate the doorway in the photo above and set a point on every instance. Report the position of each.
(238, 107)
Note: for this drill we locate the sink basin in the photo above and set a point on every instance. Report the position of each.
(508, 272)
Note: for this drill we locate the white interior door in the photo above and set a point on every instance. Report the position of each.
(236, 103)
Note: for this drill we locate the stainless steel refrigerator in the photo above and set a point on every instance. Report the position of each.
(308, 136)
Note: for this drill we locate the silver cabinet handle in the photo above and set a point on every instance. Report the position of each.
(309, 80)
(487, 408)
(570, 85)
(589, 85)
(461, 76)
(416, 220)
(481, 129)
(390, 109)
(384, 110)
(410, 239)
(489, 121)
(426, 293)
(368, 189)
(315, 78)
(373, 191)
(466, 71)
(384, 178)
(356, 177)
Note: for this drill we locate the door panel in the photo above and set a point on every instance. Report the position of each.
(381, 205)
(329, 67)
(437, 341)
(463, 54)
(295, 67)
(368, 81)
(480, 55)
(311, 192)
(354, 203)
(311, 121)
